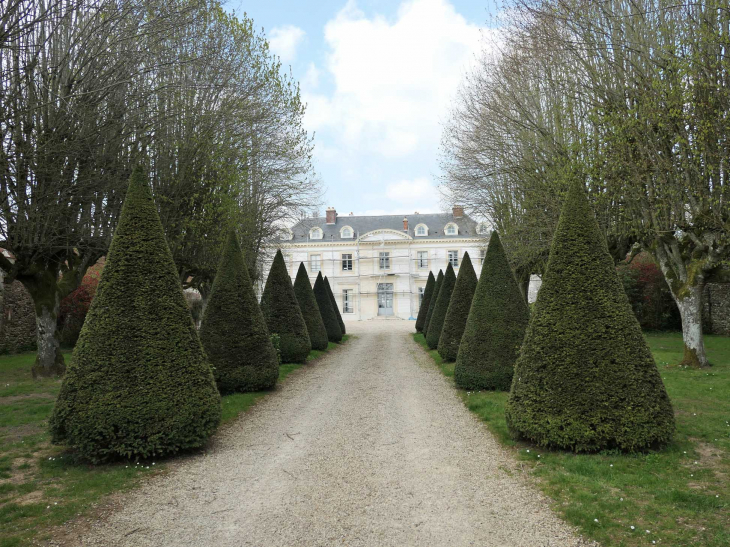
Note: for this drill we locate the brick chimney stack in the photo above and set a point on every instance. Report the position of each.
(458, 211)
(331, 215)
(405, 224)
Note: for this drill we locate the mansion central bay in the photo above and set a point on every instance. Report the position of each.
(377, 266)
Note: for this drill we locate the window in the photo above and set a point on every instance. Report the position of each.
(482, 255)
(347, 301)
(346, 262)
(422, 259)
(315, 233)
(315, 263)
(346, 233)
(384, 260)
(482, 228)
(421, 230)
(454, 259)
(451, 229)
(421, 290)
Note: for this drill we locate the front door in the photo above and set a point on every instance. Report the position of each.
(385, 299)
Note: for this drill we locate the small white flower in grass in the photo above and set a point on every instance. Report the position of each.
(653, 542)
(153, 463)
(595, 520)
(48, 507)
(717, 495)
(621, 499)
(611, 465)
(528, 451)
(691, 475)
(695, 463)
(538, 455)
(55, 503)
(648, 532)
(633, 528)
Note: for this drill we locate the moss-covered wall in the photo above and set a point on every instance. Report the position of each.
(17, 319)
(716, 308)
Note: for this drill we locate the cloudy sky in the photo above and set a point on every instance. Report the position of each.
(378, 77)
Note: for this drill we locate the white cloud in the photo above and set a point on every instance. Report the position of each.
(311, 77)
(285, 40)
(407, 191)
(393, 80)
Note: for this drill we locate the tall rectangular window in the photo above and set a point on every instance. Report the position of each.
(482, 255)
(422, 260)
(347, 262)
(454, 259)
(315, 263)
(421, 290)
(347, 301)
(384, 260)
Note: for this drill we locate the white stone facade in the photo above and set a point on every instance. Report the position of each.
(381, 273)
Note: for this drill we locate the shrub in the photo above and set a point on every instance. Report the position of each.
(310, 309)
(334, 332)
(458, 310)
(233, 330)
(432, 303)
(495, 327)
(423, 308)
(283, 316)
(436, 323)
(335, 307)
(139, 384)
(585, 379)
(75, 306)
(649, 294)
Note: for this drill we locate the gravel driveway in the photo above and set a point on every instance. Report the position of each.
(369, 446)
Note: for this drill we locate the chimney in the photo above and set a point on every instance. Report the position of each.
(405, 224)
(458, 211)
(331, 215)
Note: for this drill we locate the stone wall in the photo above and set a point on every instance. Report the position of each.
(17, 320)
(716, 309)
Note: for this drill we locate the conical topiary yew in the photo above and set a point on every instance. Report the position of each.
(139, 384)
(495, 327)
(436, 324)
(458, 310)
(423, 308)
(432, 303)
(310, 309)
(585, 379)
(334, 332)
(335, 307)
(283, 316)
(233, 331)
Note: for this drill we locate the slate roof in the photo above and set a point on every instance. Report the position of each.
(364, 224)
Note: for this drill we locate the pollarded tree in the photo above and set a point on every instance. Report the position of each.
(495, 327)
(310, 310)
(334, 305)
(436, 324)
(283, 316)
(334, 332)
(432, 302)
(139, 384)
(233, 331)
(585, 379)
(423, 308)
(458, 310)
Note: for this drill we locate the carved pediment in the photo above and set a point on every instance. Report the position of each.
(384, 235)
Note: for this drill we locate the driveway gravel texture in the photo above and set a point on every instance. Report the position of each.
(370, 445)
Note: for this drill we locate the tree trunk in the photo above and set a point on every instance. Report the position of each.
(690, 308)
(49, 359)
(44, 290)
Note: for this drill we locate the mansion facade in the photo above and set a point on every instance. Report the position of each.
(378, 266)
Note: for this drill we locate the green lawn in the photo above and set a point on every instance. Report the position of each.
(677, 497)
(41, 485)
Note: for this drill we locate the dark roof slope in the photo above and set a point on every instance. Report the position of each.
(361, 225)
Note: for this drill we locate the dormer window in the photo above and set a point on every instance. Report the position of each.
(451, 229)
(421, 230)
(346, 233)
(482, 228)
(315, 233)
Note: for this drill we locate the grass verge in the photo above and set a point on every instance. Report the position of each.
(41, 485)
(678, 497)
